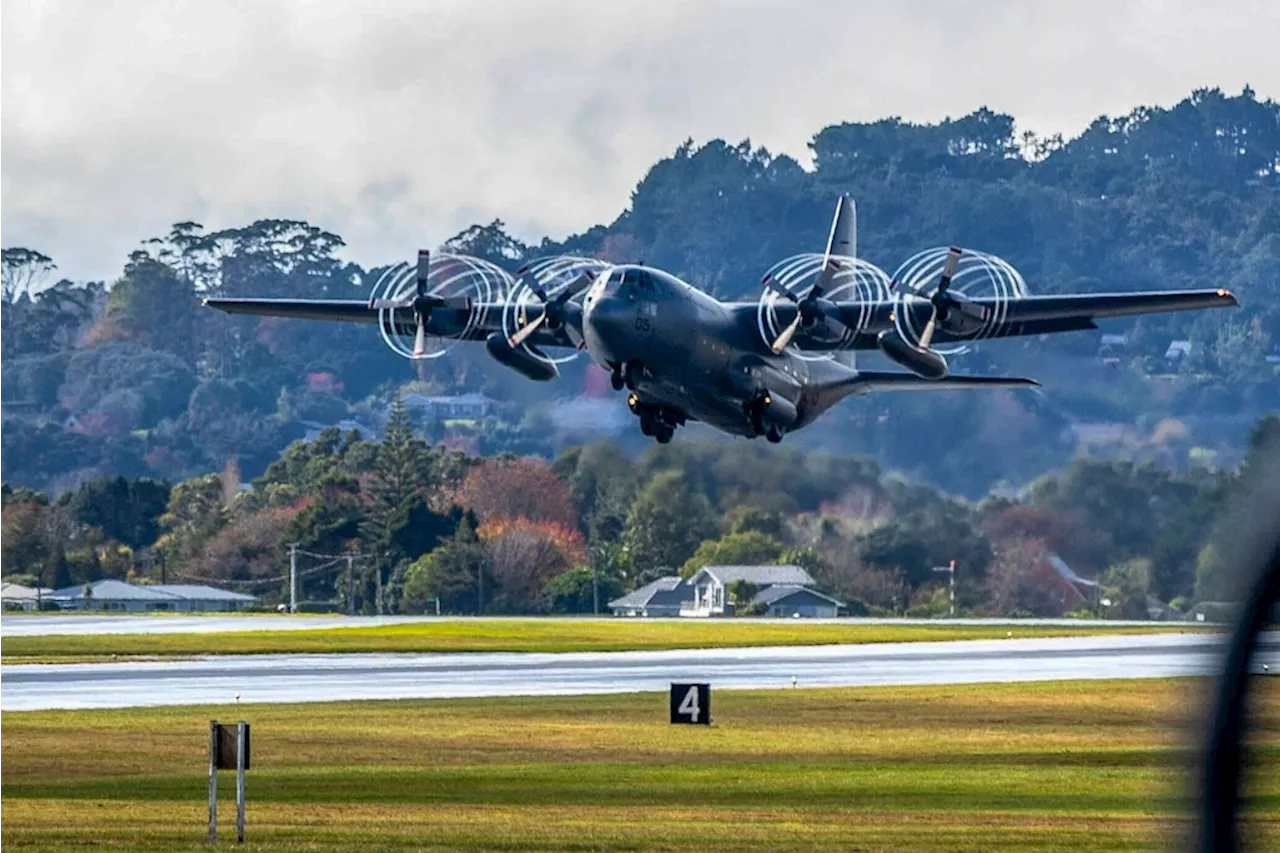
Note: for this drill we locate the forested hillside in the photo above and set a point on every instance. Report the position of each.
(134, 377)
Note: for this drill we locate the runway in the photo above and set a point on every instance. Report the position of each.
(316, 678)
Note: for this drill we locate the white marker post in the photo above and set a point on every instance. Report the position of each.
(242, 760)
(951, 570)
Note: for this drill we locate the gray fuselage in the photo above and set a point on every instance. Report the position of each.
(688, 352)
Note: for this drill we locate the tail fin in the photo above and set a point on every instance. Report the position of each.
(843, 239)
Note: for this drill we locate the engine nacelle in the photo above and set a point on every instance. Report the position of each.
(519, 359)
(922, 362)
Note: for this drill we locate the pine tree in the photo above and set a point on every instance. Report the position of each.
(401, 470)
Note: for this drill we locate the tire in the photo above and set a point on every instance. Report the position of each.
(647, 424)
(664, 434)
(615, 379)
(775, 433)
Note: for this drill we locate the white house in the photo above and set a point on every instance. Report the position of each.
(664, 597)
(712, 586)
(469, 406)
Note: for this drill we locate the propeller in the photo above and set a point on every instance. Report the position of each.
(421, 304)
(809, 308)
(553, 310)
(939, 300)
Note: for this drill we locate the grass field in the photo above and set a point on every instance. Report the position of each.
(1067, 766)
(526, 635)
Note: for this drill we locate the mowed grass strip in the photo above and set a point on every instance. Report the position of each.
(1054, 766)
(527, 635)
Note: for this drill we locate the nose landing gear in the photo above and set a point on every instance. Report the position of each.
(658, 422)
(624, 375)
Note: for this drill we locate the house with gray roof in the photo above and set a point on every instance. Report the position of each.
(790, 600)
(664, 597)
(115, 595)
(18, 597)
(714, 586)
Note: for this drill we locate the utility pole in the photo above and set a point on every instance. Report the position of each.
(293, 577)
(351, 585)
(595, 591)
(950, 569)
(377, 579)
(479, 588)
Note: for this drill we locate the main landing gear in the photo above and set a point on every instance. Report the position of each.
(757, 411)
(659, 422)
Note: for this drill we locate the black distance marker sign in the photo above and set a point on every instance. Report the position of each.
(691, 704)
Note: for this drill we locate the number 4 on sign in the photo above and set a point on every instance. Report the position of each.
(691, 704)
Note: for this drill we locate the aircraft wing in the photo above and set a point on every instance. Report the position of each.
(884, 380)
(1038, 315)
(475, 322)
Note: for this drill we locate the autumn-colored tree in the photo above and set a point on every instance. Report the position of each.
(251, 548)
(518, 488)
(524, 555)
(1021, 582)
(1066, 534)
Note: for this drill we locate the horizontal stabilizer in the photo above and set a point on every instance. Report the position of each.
(879, 380)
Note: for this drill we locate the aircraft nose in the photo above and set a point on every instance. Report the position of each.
(605, 323)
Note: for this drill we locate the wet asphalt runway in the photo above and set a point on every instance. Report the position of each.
(315, 678)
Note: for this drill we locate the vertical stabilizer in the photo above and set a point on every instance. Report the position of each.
(843, 239)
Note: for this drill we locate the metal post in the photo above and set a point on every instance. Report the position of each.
(953, 588)
(950, 569)
(293, 577)
(377, 580)
(240, 750)
(351, 586)
(479, 588)
(595, 592)
(213, 781)
(437, 605)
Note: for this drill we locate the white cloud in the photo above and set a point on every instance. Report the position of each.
(396, 124)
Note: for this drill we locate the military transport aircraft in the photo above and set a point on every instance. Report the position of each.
(762, 367)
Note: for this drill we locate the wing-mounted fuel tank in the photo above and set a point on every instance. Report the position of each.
(520, 359)
(923, 362)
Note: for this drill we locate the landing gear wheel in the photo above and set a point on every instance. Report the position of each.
(628, 371)
(648, 424)
(616, 379)
(664, 433)
(775, 433)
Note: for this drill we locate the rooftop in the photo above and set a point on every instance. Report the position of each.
(758, 575)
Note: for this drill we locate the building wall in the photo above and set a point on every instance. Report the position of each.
(816, 611)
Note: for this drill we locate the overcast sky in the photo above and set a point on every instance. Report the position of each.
(396, 124)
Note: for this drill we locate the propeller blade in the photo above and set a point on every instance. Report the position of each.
(953, 261)
(424, 271)
(787, 334)
(420, 339)
(770, 283)
(573, 288)
(927, 337)
(525, 331)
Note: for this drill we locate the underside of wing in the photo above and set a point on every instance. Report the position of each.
(876, 380)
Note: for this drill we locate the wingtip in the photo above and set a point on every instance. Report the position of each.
(1227, 296)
